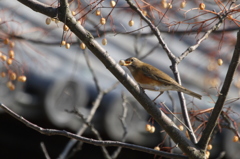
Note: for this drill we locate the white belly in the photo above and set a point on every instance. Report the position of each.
(156, 88)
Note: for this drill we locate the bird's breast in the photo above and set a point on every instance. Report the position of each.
(148, 83)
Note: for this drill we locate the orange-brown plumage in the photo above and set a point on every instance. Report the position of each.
(151, 78)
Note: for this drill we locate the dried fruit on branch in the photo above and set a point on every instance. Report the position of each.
(202, 6)
(104, 41)
(103, 21)
(131, 23)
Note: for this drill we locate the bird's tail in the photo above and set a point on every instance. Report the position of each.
(191, 93)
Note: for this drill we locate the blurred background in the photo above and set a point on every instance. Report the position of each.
(60, 81)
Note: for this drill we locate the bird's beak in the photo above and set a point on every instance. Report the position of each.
(124, 63)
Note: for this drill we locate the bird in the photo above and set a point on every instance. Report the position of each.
(153, 79)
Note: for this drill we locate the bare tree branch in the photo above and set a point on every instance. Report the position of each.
(51, 132)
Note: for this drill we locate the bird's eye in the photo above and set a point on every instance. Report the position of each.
(132, 60)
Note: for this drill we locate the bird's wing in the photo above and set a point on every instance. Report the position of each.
(158, 75)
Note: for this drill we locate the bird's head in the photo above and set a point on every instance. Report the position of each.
(130, 62)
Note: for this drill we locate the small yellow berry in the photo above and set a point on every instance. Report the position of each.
(63, 43)
(3, 74)
(4, 57)
(157, 148)
(209, 147)
(98, 12)
(6, 41)
(152, 129)
(67, 46)
(202, 6)
(11, 54)
(103, 21)
(131, 23)
(207, 154)
(112, 4)
(144, 12)
(164, 4)
(10, 85)
(22, 78)
(122, 62)
(73, 13)
(82, 46)
(12, 76)
(11, 44)
(220, 62)
(148, 127)
(183, 4)
(104, 41)
(9, 61)
(181, 128)
(65, 27)
(48, 20)
(235, 138)
(169, 5)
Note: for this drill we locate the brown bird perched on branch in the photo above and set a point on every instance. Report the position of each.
(151, 78)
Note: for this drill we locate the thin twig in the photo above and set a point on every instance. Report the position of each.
(91, 70)
(124, 125)
(230, 122)
(154, 29)
(175, 116)
(45, 151)
(204, 37)
(183, 105)
(96, 104)
(149, 52)
(72, 142)
(94, 130)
